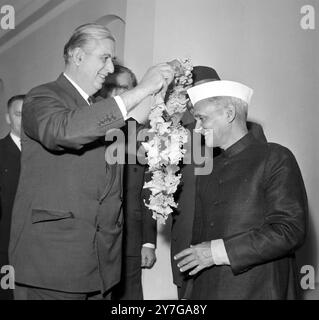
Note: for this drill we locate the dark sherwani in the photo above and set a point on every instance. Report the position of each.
(9, 176)
(255, 200)
(183, 217)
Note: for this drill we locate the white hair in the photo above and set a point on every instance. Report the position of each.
(82, 38)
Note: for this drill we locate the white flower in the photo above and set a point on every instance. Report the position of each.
(163, 128)
(165, 149)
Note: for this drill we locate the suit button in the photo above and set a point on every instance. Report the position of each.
(97, 228)
(119, 224)
(212, 224)
(220, 181)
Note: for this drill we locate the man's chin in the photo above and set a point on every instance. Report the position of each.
(98, 86)
(209, 142)
(209, 145)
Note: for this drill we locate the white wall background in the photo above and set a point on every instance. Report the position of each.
(257, 42)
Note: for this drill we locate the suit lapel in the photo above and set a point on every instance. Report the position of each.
(67, 86)
(11, 147)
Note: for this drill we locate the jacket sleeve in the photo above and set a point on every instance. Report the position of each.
(46, 119)
(286, 209)
(149, 228)
(149, 225)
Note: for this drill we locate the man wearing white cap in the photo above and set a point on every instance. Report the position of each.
(182, 219)
(250, 211)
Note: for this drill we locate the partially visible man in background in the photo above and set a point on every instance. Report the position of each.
(10, 150)
(139, 231)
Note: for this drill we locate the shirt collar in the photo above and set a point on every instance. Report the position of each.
(78, 88)
(239, 146)
(16, 140)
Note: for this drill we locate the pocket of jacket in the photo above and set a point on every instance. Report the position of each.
(40, 215)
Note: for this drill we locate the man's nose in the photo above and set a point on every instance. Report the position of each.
(109, 66)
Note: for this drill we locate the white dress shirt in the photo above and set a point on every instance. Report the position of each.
(16, 140)
(149, 245)
(118, 99)
(219, 253)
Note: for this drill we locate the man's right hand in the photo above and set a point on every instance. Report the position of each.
(156, 78)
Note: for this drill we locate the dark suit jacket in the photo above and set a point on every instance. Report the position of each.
(183, 217)
(67, 218)
(256, 202)
(139, 226)
(9, 176)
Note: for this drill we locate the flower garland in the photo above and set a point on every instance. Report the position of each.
(165, 149)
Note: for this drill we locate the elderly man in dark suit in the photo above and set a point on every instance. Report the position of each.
(67, 219)
(139, 231)
(184, 215)
(10, 150)
(251, 211)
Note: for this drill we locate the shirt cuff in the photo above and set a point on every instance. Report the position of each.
(121, 105)
(149, 245)
(219, 253)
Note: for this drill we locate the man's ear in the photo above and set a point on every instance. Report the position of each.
(78, 56)
(8, 121)
(231, 113)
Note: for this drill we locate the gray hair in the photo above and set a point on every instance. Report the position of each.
(240, 106)
(83, 36)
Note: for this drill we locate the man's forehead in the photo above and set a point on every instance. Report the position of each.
(203, 105)
(16, 105)
(206, 107)
(200, 110)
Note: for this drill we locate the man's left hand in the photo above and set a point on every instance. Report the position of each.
(148, 257)
(198, 257)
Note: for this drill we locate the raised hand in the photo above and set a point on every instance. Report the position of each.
(157, 78)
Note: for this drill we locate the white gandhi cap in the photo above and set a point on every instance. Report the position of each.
(220, 88)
